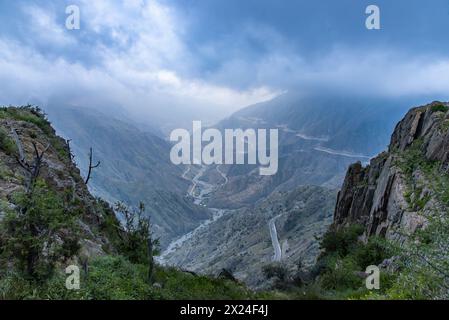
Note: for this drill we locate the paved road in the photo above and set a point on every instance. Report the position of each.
(195, 182)
(224, 176)
(184, 175)
(275, 240)
(204, 188)
(341, 153)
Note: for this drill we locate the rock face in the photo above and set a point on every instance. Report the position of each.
(393, 194)
(20, 129)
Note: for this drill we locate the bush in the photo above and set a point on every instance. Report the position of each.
(341, 274)
(39, 232)
(439, 108)
(178, 285)
(115, 278)
(275, 270)
(13, 286)
(341, 241)
(372, 253)
(6, 143)
(339, 269)
(28, 113)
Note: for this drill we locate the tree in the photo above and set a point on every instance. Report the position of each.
(138, 244)
(41, 229)
(32, 169)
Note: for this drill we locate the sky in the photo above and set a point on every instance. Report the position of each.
(212, 57)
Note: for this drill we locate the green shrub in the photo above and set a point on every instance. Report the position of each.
(6, 143)
(341, 241)
(339, 269)
(341, 274)
(13, 286)
(372, 253)
(177, 285)
(39, 232)
(115, 278)
(28, 113)
(439, 108)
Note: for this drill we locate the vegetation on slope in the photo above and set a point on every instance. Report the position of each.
(40, 236)
(415, 268)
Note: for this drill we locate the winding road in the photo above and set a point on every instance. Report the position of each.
(285, 128)
(184, 175)
(205, 188)
(223, 175)
(341, 153)
(274, 239)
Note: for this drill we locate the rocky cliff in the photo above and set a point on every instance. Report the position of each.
(24, 133)
(397, 192)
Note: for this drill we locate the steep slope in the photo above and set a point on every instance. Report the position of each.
(135, 166)
(19, 130)
(401, 188)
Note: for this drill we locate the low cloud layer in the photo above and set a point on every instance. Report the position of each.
(148, 56)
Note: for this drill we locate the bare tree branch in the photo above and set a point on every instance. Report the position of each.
(33, 170)
(91, 167)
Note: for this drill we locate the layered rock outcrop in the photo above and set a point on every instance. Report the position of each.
(395, 193)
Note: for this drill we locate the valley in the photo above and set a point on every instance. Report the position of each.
(197, 191)
(214, 217)
(224, 150)
(245, 239)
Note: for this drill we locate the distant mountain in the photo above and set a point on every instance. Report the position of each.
(135, 166)
(344, 122)
(319, 137)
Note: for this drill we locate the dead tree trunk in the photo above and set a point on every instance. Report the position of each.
(91, 167)
(69, 150)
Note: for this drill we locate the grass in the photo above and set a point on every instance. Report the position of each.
(29, 114)
(6, 142)
(34, 115)
(115, 278)
(413, 160)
